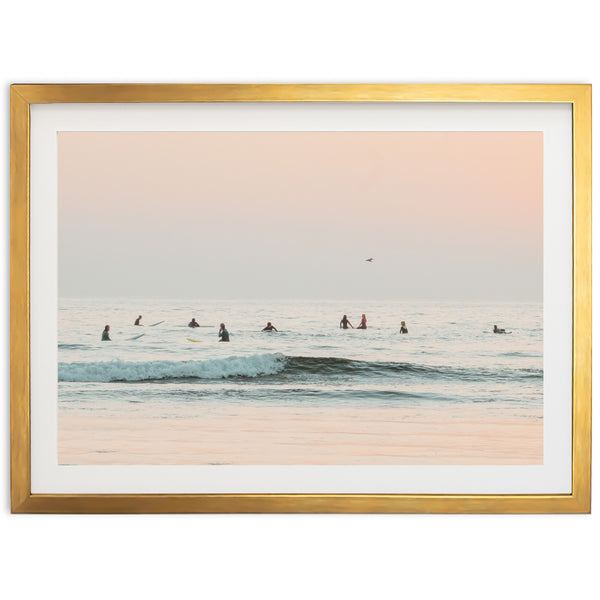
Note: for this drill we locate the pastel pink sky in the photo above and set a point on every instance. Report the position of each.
(295, 214)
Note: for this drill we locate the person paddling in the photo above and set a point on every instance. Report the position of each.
(269, 327)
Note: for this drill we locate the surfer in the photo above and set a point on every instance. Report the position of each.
(105, 336)
(270, 327)
(193, 323)
(497, 330)
(223, 333)
(403, 328)
(137, 321)
(363, 322)
(344, 323)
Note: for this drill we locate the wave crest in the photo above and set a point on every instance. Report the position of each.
(273, 364)
(218, 368)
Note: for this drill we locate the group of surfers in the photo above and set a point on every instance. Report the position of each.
(224, 334)
(345, 323)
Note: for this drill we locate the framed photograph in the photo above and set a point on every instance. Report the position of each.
(301, 298)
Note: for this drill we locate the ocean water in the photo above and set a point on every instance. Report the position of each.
(449, 356)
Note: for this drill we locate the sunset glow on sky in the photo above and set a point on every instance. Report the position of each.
(295, 214)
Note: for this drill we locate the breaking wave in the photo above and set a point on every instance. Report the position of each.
(218, 368)
(259, 365)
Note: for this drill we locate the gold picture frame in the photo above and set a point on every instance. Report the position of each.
(24, 501)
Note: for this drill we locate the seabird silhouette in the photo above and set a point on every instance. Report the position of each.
(369, 259)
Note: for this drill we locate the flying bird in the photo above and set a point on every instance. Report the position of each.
(369, 259)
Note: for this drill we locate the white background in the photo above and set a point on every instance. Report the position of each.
(465, 556)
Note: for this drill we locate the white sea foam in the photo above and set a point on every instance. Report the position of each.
(118, 370)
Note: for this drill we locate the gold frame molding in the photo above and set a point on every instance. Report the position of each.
(23, 501)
